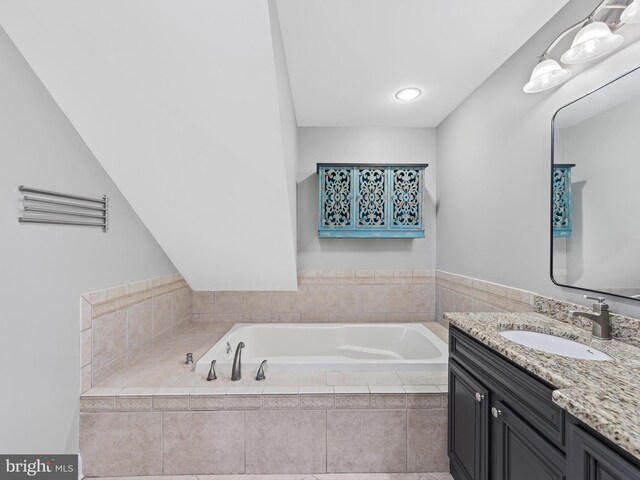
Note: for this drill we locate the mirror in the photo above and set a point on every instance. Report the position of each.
(595, 217)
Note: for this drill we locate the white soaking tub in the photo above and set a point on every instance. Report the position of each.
(300, 347)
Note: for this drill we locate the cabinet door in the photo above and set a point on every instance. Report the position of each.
(590, 459)
(518, 452)
(468, 421)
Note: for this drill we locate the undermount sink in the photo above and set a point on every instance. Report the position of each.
(557, 345)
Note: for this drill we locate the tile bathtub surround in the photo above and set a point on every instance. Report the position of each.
(329, 296)
(119, 323)
(457, 293)
(261, 440)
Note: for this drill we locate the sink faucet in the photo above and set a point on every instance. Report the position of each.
(236, 371)
(601, 327)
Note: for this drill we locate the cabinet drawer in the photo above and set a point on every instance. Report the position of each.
(520, 390)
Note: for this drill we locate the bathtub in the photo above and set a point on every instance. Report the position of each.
(299, 347)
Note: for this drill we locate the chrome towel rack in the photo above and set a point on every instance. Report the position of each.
(57, 209)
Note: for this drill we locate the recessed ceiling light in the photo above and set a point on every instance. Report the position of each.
(408, 94)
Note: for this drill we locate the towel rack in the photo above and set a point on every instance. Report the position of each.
(59, 210)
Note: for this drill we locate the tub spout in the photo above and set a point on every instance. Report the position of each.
(236, 371)
(260, 374)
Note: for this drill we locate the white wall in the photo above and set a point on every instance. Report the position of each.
(366, 145)
(46, 268)
(179, 102)
(287, 114)
(604, 250)
(494, 167)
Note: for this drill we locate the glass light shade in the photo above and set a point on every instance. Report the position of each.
(594, 40)
(631, 14)
(546, 74)
(407, 94)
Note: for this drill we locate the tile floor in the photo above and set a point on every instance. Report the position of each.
(317, 476)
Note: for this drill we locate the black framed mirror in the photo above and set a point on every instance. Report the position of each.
(595, 190)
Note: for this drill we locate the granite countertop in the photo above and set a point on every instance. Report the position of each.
(603, 395)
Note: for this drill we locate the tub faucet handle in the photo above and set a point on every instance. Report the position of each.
(212, 372)
(189, 359)
(260, 374)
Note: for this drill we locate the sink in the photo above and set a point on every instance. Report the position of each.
(557, 345)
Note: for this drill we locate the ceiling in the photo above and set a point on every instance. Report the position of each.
(347, 58)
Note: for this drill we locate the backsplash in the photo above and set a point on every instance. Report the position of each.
(458, 293)
(121, 322)
(329, 296)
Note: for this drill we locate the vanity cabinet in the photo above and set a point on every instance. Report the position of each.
(518, 452)
(503, 425)
(591, 459)
(468, 424)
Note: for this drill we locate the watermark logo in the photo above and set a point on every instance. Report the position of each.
(48, 467)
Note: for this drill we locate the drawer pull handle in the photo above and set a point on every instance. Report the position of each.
(479, 397)
(495, 412)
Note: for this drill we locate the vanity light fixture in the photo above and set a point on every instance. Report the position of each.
(408, 94)
(596, 37)
(594, 40)
(631, 14)
(546, 74)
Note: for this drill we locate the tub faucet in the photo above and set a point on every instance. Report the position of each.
(236, 371)
(260, 374)
(601, 326)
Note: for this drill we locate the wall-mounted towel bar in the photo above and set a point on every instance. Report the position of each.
(82, 207)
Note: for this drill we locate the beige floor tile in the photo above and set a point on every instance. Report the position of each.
(366, 441)
(280, 441)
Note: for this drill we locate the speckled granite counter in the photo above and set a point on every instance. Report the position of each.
(603, 395)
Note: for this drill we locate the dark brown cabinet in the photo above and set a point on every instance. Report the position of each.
(503, 425)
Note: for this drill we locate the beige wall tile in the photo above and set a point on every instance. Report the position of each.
(181, 305)
(203, 302)
(371, 298)
(96, 297)
(161, 313)
(284, 303)
(314, 299)
(401, 299)
(228, 302)
(85, 314)
(281, 441)
(366, 441)
(109, 337)
(317, 401)
(424, 298)
(363, 378)
(97, 404)
(139, 323)
(116, 365)
(427, 440)
(85, 347)
(285, 318)
(203, 317)
(132, 403)
(119, 444)
(203, 442)
(117, 292)
(85, 378)
(135, 287)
